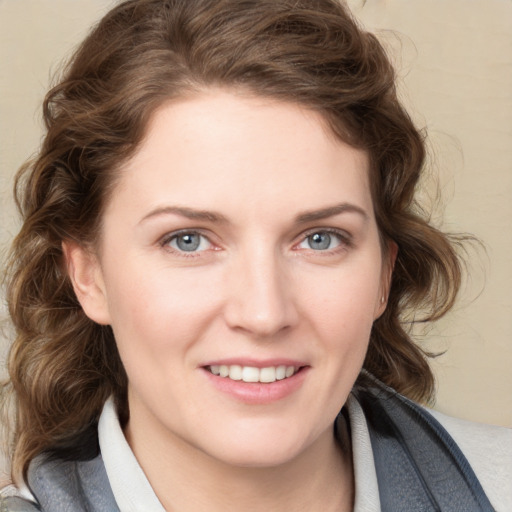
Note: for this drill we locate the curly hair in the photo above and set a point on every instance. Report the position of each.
(62, 365)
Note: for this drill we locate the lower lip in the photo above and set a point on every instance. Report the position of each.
(258, 393)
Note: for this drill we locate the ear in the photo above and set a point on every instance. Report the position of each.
(388, 264)
(85, 273)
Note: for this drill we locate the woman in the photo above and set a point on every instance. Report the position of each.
(219, 241)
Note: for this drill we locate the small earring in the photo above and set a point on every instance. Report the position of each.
(382, 300)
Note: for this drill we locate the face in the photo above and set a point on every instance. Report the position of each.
(241, 271)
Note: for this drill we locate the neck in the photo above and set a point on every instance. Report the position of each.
(186, 479)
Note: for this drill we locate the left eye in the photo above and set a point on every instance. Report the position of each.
(321, 241)
(189, 242)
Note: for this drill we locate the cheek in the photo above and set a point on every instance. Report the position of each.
(158, 309)
(346, 301)
(342, 315)
(156, 320)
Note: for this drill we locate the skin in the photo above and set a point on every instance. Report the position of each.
(270, 175)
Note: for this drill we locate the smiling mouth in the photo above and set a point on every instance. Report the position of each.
(268, 374)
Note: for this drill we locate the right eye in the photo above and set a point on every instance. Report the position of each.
(189, 241)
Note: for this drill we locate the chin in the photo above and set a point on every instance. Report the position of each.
(260, 451)
(260, 459)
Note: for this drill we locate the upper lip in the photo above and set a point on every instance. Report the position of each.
(255, 363)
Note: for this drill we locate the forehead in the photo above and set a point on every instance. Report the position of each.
(221, 148)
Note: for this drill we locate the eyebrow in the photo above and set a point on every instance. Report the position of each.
(330, 211)
(189, 213)
(215, 217)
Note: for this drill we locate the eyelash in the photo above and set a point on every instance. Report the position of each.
(345, 241)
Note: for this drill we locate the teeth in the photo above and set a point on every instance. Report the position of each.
(250, 374)
(280, 372)
(253, 374)
(235, 372)
(268, 374)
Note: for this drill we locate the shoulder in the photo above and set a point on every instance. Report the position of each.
(71, 485)
(456, 464)
(16, 504)
(14, 500)
(488, 450)
(58, 485)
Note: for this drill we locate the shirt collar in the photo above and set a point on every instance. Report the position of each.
(129, 484)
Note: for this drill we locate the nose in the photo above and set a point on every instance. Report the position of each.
(260, 296)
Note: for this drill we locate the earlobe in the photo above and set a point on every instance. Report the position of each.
(86, 277)
(387, 274)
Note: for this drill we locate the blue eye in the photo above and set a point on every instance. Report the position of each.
(189, 242)
(321, 241)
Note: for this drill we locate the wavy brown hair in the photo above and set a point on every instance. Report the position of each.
(62, 365)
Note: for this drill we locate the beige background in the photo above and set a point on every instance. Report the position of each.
(455, 63)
